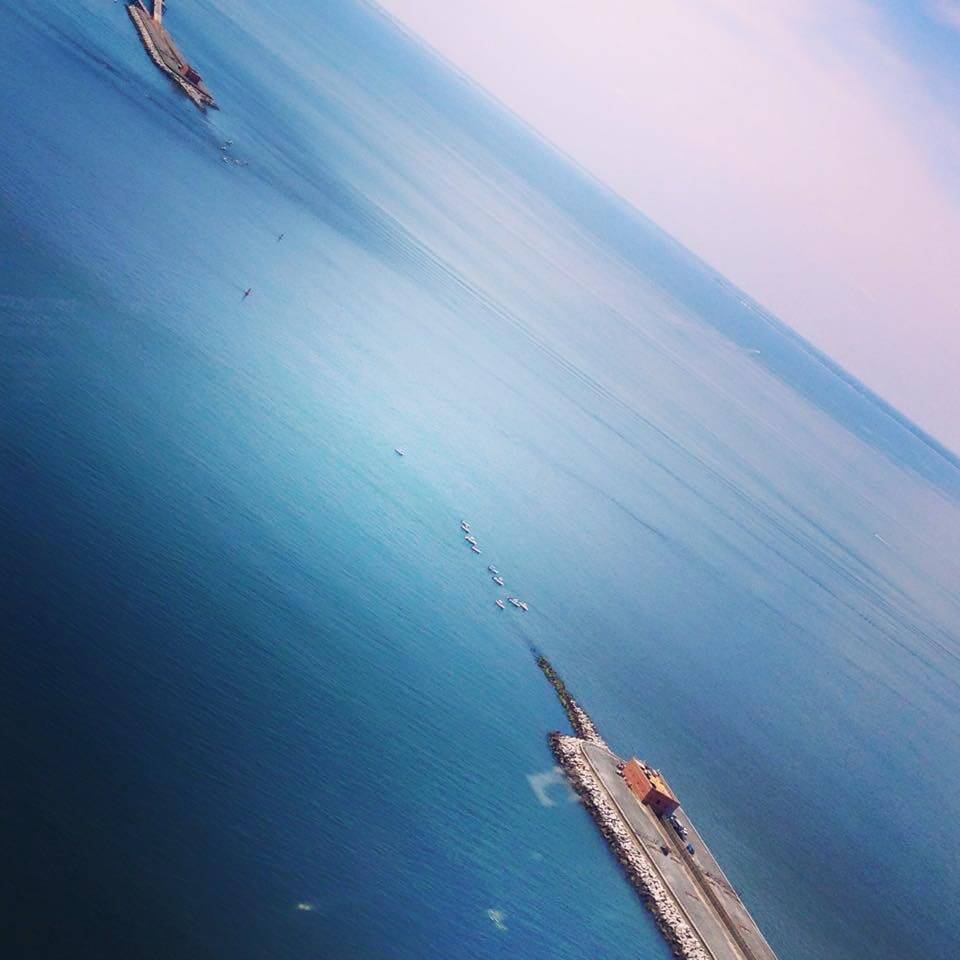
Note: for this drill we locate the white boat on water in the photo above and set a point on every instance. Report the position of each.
(399, 452)
(498, 581)
(499, 603)
(523, 605)
(464, 526)
(513, 601)
(474, 548)
(494, 570)
(472, 540)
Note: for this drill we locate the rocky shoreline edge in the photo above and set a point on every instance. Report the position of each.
(579, 719)
(678, 933)
(137, 15)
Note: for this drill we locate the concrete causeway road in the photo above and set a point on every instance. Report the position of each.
(676, 872)
(164, 53)
(711, 875)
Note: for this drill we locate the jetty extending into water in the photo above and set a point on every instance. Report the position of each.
(164, 53)
(664, 857)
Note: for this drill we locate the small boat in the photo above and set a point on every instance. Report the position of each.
(522, 605)
(474, 548)
(464, 526)
(498, 581)
(494, 570)
(472, 540)
(513, 601)
(499, 603)
(399, 452)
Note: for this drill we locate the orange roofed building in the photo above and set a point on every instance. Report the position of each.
(649, 787)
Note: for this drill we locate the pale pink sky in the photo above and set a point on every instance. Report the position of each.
(808, 149)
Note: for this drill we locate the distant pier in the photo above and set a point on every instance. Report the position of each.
(664, 857)
(164, 53)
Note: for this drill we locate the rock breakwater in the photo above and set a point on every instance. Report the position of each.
(579, 719)
(151, 34)
(679, 934)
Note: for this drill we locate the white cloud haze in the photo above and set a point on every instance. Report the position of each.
(794, 144)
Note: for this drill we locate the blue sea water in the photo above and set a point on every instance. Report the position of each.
(256, 698)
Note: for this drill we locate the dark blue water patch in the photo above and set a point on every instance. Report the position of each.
(162, 648)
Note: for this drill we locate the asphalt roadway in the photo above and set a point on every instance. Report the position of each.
(711, 874)
(655, 835)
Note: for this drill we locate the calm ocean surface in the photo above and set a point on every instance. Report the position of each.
(249, 663)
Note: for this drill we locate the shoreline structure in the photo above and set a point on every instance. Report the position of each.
(697, 910)
(164, 53)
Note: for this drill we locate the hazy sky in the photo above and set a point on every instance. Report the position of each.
(808, 149)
